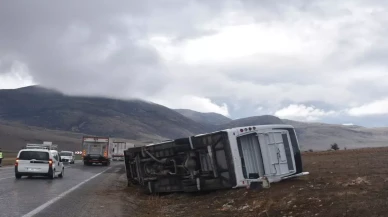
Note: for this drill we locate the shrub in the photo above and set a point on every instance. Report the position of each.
(334, 146)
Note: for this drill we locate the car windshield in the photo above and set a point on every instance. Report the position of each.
(65, 153)
(37, 155)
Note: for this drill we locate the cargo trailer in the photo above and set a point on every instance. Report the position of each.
(96, 150)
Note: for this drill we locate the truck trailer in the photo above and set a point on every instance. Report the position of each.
(96, 150)
(230, 158)
(118, 149)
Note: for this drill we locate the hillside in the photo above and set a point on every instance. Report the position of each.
(13, 136)
(319, 136)
(27, 113)
(210, 118)
(132, 119)
(254, 120)
(219, 122)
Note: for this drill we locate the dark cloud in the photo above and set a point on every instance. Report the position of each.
(6, 65)
(63, 43)
(93, 47)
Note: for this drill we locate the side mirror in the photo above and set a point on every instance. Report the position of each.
(60, 159)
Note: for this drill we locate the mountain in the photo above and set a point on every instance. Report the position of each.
(316, 136)
(319, 136)
(218, 122)
(132, 119)
(210, 118)
(254, 120)
(35, 114)
(13, 136)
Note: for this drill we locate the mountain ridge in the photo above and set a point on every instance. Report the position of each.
(210, 118)
(134, 119)
(50, 110)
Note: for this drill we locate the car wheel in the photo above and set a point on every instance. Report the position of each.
(52, 175)
(62, 173)
(17, 176)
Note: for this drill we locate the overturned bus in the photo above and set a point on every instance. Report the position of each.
(228, 158)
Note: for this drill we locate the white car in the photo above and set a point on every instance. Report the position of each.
(39, 162)
(67, 156)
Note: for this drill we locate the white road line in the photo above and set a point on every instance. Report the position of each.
(6, 178)
(55, 199)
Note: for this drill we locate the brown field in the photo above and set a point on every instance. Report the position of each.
(8, 161)
(9, 158)
(341, 183)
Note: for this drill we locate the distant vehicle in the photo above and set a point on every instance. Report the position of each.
(68, 156)
(118, 150)
(230, 158)
(96, 150)
(39, 160)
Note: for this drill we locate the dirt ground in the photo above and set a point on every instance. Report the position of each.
(341, 183)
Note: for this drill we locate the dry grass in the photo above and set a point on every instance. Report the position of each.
(341, 183)
(9, 158)
(8, 161)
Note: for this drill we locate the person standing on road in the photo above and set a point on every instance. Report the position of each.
(1, 156)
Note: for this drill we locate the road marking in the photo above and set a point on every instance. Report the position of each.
(6, 178)
(55, 199)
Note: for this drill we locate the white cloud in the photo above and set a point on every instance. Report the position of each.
(14, 75)
(195, 103)
(302, 113)
(11, 81)
(246, 54)
(378, 107)
(241, 41)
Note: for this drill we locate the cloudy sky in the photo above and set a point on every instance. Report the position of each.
(305, 60)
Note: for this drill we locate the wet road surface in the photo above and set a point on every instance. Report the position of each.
(39, 196)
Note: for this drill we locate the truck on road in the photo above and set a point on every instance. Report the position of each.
(96, 150)
(118, 149)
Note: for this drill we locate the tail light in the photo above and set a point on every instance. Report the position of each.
(17, 162)
(50, 163)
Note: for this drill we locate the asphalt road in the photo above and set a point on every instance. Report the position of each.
(73, 195)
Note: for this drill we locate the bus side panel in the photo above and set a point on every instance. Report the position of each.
(216, 161)
(209, 166)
